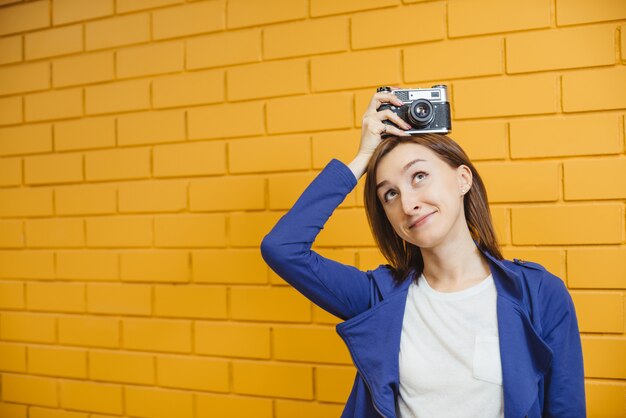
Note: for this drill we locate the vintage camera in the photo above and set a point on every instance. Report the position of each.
(426, 110)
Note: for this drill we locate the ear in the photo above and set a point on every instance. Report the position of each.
(464, 177)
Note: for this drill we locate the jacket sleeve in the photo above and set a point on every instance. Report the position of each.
(565, 381)
(340, 289)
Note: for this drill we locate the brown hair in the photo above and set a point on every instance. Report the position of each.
(404, 256)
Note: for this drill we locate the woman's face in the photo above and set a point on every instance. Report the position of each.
(429, 187)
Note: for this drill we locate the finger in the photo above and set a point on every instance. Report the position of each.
(389, 115)
(392, 130)
(380, 98)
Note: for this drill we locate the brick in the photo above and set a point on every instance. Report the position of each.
(336, 72)
(119, 231)
(481, 140)
(604, 398)
(12, 296)
(91, 396)
(565, 136)
(232, 339)
(24, 17)
(596, 349)
(268, 79)
(552, 49)
(28, 327)
(152, 196)
(309, 344)
(55, 232)
(226, 120)
(194, 373)
(578, 184)
(11, 111)
(11, 172)
(12, 356)
(56, 104)
(123, 6)
(157, 335)
(25, 202)
(284, 190)
(223, 49)
(250, 12)
(122, 367)
(117, 164)
(247, 229)
(342, 145)
(119, 299)
(430, 15)
(118, 97)
(534, 94)
(30, 390)
(151, 127)
(24, 78)
(273, 379)
(480, 56)
(293, 114)
(305, 38)
(201, 158)
(83, 69)
(62, 362)
(475, 17)
(571, 12)
(57, 297)
(501, 223)
(117, 31)
(87, 265)
(333, 384)
(90, 331)
(149, 402)
(23, 264)
(622, 31)
(195, 88)
(521, 182)
(12, 236)
(53, 168)
(269, 304)
(270, 154)
(65, 11)
(329, 7)
(250, 194)
(242, 266)
(163, 57)
(190, 19)
(85, 133)
(53, 42)
(599, 311)
(285, 408)
(596, 268)
(347, 227)
(9, 409)
(160, 266)
(235, 406)
(10, 49)
(190, 301)
(86, 200)
(189, 231)
(562, 224)
(594, 89)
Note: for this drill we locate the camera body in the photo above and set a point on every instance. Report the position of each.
(426, 110)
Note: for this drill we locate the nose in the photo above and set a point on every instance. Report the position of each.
(409, 202)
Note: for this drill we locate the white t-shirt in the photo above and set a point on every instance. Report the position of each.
(449, 353)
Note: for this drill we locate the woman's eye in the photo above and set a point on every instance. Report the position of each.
(385, 197)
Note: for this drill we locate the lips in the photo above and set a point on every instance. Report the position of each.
(420, 219)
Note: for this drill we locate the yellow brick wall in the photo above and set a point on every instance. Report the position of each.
(147, 146)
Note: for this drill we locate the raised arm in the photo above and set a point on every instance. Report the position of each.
(341, 289)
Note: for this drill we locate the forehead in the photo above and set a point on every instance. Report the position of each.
(392, 163)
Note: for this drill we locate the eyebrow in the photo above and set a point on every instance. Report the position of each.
(404, 169)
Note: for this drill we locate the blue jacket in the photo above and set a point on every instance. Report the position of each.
(540, 347)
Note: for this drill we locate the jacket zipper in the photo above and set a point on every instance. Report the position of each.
(372, 395)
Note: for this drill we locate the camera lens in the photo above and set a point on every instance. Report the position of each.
(421, 112)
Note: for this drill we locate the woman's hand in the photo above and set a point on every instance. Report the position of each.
(373, 127)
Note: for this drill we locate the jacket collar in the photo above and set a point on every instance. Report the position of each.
(373, 339)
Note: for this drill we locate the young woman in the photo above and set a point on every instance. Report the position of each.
(449, 328)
